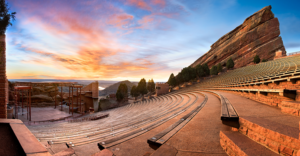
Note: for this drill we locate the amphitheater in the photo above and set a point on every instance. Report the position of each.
(252, 110)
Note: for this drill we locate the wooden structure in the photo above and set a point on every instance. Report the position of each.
(27, 90)
(78, 92)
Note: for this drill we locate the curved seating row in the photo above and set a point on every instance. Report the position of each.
(122, 123)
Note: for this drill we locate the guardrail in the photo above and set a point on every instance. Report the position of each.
(294, 53)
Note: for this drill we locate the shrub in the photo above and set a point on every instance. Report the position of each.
(122, 92)
(172, 80)
(200, 71)
(230, 63)
(206, 69)
(219, 67)
(142, 87)
(256, 59)
(214, 70)
(264, 60)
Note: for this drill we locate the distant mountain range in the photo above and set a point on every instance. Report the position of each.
(112, 89)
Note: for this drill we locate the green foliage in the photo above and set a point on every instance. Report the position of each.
(172, 80)
(5, 17)
(151, 86)
(179, 78)
(214, 70)
(200, 71)
(142, 88)
(219, 67)
(206, 69)
(188, 73)
(230, 63)
(134, 92)
(264, 60)
(256, 59)
(122, 92)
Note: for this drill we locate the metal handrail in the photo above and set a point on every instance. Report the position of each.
(294, 53)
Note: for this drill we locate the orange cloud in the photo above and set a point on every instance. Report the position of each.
(140, 4)
(161, 3)
(120, 20)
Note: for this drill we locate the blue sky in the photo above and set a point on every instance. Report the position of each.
(126, 39)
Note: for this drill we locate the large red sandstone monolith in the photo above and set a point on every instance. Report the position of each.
(258, 35)
(3, 79)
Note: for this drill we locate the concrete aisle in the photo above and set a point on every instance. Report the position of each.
(138, 145)
(248, 108)
(201, 135)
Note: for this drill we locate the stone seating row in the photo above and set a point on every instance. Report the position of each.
(72, 142)
(263, 72)
(167, 133)
(112, 111)
(125, 134)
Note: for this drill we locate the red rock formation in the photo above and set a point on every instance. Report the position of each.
(258, 35)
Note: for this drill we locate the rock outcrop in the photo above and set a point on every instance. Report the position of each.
(258, 35)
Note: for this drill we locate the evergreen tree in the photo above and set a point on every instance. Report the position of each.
(134, 92)
(230, 63)
(214, 70)
(200, 71)
(5, 17)
(192, 73)
(256, 59)
(122, 92)
(151, 86)
(219, 67)
(142, 87)
(179, 78)
(206, 69)
(172, 80)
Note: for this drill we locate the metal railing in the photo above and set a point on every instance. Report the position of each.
(294, 53)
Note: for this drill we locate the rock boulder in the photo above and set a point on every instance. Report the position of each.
(258, 35)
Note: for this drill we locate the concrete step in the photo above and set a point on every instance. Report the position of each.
(280, 138)
(235, 143)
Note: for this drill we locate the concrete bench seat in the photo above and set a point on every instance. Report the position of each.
(164, 135)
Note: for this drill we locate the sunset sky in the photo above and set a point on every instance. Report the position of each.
(126, 39)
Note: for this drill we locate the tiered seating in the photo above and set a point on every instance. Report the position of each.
(285, 69)
(122, 124)
(166, 134)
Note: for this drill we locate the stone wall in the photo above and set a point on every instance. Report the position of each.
(258, 35)
(161, 88)
(3, 79)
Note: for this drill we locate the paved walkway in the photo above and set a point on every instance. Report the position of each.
(43, 113)
(201, 135)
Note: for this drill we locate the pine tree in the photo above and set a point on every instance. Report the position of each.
(142, 87)
(230, 63)
(151, 86)
(200, 71)
(206, 69)
(214, 70)
(5, 17)
(256, 59)
(134, 91)
(122, 92)
(219, 67)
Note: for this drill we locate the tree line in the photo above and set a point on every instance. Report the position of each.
(141, 89)
(191, 73)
